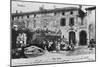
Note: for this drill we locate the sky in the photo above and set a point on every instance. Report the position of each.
(34, 6)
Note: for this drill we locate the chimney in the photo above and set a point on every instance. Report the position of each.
(80, 6)
(20, 11)
(16, 11)
(41, 8)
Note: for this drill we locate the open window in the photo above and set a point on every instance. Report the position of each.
(62, 22)
(63, 13)
(71, 21)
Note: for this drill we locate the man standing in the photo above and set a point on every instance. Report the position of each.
(23, 43)
(14, 34)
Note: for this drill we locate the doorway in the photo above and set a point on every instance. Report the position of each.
(83, 38)
(72, 37)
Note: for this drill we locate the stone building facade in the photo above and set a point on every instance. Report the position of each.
(91, 19)
(67, 20)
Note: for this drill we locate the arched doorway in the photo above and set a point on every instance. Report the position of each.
(83, 38)
(72, 37)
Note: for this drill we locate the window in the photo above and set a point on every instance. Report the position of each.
(17, 17)
(34, 15)
(63, 13)
(27, 16)
(34, 24)
(55, 13)
(71, 21)
(12, 18)
(63, 22)
(22, 17)
(71, 12)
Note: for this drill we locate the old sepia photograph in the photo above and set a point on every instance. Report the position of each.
(52, 33)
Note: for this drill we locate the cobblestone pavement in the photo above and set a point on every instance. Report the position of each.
(80, 54)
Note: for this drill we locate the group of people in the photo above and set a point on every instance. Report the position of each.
(22, 38)
(19, 40)
(92, 44)
(54, 45)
